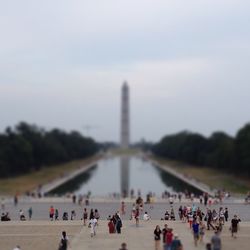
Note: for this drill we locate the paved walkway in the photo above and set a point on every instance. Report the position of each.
(142, 238)
(41, 235)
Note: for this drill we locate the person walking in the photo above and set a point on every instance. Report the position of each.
(226, 214)
(176, 243)
(123, 207)
(64, 242)
(30, 212)
(216, 241)
(195, 228)
(51, 212)
(169, 239)
(111, 227)
(234, 225)
(56, 214)
(91, 214)
(164, 235)
(85, 216)
(118, 224)
(92, 224)
(157, 237)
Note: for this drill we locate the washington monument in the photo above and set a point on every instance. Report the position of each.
(125, 133)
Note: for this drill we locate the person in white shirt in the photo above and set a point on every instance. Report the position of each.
(146, 216)
(93, 223)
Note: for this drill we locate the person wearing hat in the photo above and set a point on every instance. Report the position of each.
(176, 243)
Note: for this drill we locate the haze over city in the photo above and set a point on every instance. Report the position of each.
(62, 64)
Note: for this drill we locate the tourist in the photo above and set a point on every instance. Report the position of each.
(123, 246)
(65, 216)
(172, 215)
(157, 234)
(146, 217)
(51, 213)
(92, 225)
(5, 217)
(123, 212)
(73, 215)
(166, 215)
(171, 200)
(15, 200)
(74, 199)
(234, 225)
(176, 243)
(216, 241)
(169, 239)
(164, 234)
(195, 228)
(97, 215)
(190, 219)
(226, 214)
(21, 215)
(201, 199)
(30, 212)
(179, 197)
(64, 242)
(91, 214)
(222, 215)
(111, 227)
(137, 217)
(85, 216)
(56, 214)
(205, 199)
(209, 218)
(180, 212)
(118, 224)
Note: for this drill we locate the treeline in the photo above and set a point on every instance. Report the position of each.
(219, 151)
(27, 147)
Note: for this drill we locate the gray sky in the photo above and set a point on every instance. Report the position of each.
(62, 64)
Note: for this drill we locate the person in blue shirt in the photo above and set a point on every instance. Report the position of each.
(195, 228)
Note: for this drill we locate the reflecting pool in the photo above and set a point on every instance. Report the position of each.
(120, 175)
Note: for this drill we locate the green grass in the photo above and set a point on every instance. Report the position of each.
(215, 179)
(30, 181)
(127, 151)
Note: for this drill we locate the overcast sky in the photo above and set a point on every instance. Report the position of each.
(62, 64)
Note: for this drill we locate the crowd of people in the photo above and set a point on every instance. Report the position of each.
(198, 219)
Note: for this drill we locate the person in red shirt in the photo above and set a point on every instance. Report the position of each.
(169, 239)
(51, 213)
(111, 227)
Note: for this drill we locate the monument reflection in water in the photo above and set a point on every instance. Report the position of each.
(120, 175)
(124, 171)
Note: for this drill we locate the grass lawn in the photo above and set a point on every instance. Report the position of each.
(127, 151)
(213, 178)
(30, 181)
